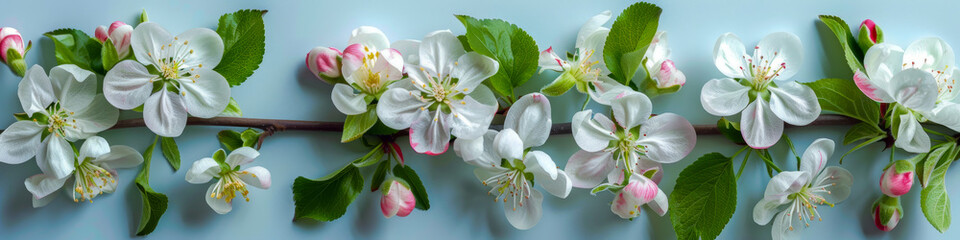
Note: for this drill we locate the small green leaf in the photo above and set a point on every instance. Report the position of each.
(230, 139)
(851, 50)
(605, 187)
(731, 130)
(243, 37)
(629, 37)
(327, 198)
(154, 204)
(862, 131)
(171, 152)
(416, 186)
(464, 42)
(372, 157)
(379, 175)
(705, 198)
(73, 46)
(232, 110)
(928, 162)
(844, 97)
(143, 16)
(559, 86)
(934, 200)
(513, 48)
(356, 125)
(109, 55)
(250, 137)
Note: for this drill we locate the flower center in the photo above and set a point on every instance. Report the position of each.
(441, 89)
(89, 181)
(58, 119)
(584, 71)
(945, 82)
(370, 81)
(229, 185)
(172, 66)
(804, 206)
(511, 183)
(763, 71)
(626, 149)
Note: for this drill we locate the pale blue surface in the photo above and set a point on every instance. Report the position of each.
(283, 88)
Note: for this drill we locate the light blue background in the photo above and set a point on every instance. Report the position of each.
(283, 88)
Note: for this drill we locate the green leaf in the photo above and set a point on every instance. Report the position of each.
(629, 37)
(356, 125)
(861, 145)
(143, 16)
(379, 175)
(232, 110)
(230, 139)
(862, 131)
(844, 97)
(928, 162)
(513, 48)
(934, 200)
(416, 186)
(731, 130)
(705, 198)
(372, 157)
(851, 50)
(73, 46)
(154, 204)
(243, 37)
(326, 198)
(250, 137)
(464, 42)
(109, 55)
(171, 152)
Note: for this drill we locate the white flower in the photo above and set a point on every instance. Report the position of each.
(585, 69)
(369, 65)
(665, 138)
(230, 178)
(443, 95)
(65, 107)
(920, 79)
(793, 196)
(760, 80)
(93, 176)
(506, 163)
(182, 80)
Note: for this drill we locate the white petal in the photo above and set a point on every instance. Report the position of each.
(165, 114)
(588, 169)
(389, 65)
(438, 52)
(508, 145)
(93, 147)
(43, 201)
(410, 50)
(549, 60)
(479, 151)
(592, 25)
(784, 184)
(784, 229)
(527, 215)
(592, 134)
(530, 117)
(56, 157)
(657, 52)
(724, 97)
(399, 107)
(660, 203)
(910, 135)
(781, 49)
(35, 90)
(128, 85)
(794, 103)
(41, 185)
(95, 118)
(20, 142)
(369, 36)
(815, 158)
(881, 62)
(472, 69)
(593, 47)
(207, 95)
(146, 41)
(946, 114)
(730, 56)
(256, 176)
(759, 126)
(202, 171)
(205, 48)
(469, 118)
(348, 102)
(120, 157)
(630, 109)
(606, 89)
(242, 156)
(765, 210)
(220, 205)
(541, 164)
(914, 89)
(930, 54)
(429, 134)
(74, 86)
(667, 138)
(837, 181)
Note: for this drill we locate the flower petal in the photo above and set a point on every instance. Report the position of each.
(588, 169)
(398, 107)
(527, 215)
(630, 109)
(347, 101)
(479, 151)
(120, 157)
(43, 201)
(730, 56)
(146, 40)
(353, 59)
(469, 118)
(592, 25)
(784, 184)
(508, 145)
(429, 134)
(242, 156)
(657, 52)
(783, 228)
(592, 48)
(946, 114)
(549, 60)
(606, 89)
(915, 89)
(660, 203)
(410, 50)
(881, 62)
(871, 88)
(559, 187)
(929, 54)
(205, 47)
(815, 158)
(93, 147)
(165, 114)
(765, 210)
(202, 171)
(256, 176)
(724, 97)
(667, 138)
(539, 163)
(781, 50)
(389, 64)
(910, 135)
(74, 86)
(794, 103)
(530, 117)
(837, 182)
(369, 36)
(55, 157)
(20, 142)
(439, 51)
(128, 85)
(472, 69)
(42, 185)
(592, 134)
(35, 90)
(95, 118)
(759, 126)
(206, 95)
(219, 205)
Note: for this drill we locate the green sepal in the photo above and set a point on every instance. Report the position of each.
(109, 54)
(230, 139)
(16, 62)
(888, 206)
(863, 38)
(559, 86)
(232, 110)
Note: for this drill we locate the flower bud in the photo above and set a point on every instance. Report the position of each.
(119, 34)
(669, 76)
(870, 34)
(324, 63)
(10, 39)
(887, 212)
(397, 199)
(897, 179)
(639, 191)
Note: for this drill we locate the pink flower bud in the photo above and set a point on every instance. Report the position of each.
(119, 34)
(638, 192)
(891, 223)
(895, 184)
(101, 33)
(887, 212)
(397, 199)
(871, 28)
(669, 76)
(324, 63)
(10, 39)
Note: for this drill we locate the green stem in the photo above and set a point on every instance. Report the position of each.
(744, 163)
(792, 149)
(738, 152)
(585, 101)
(893, 151)
(765, 155)
(937, 133)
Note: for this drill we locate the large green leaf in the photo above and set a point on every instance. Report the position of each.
(356, 125)
(154, 204)
(851, 50)
(513, 48)
(73, 46)
(416, 186)
(844, 97)
(326, 198)
(629, 37)
(705, 198)
(934, 200)
(243, 37)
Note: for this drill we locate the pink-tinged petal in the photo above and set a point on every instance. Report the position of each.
(256, 176)
(641, 188)
(870, 89)
(588, 169)
(397, 199)
(101, 33)
(891, 223)
(389, 64)
(871, 28)
(550, 61)
(324, 62)
(669, 75)
(895, 184)
(815, 158)
(10, 39)
(429, 133)
(353, 58)
(120, 36)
